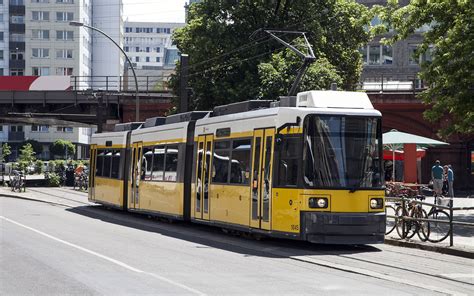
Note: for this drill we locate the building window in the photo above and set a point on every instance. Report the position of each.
(40, 52)
(64, 129)
(126, 48)
(64, 35)
(17, 19)
(1, 36)
(65, 1)
(17, 2)
(63, 71)
(17, 37)
(377, 55)
(137, 49)
(2, 72)
(40, 128)
(16, 128)
(40, 71)
(40, 15)
(64, 54)
(128, 30)
(17, 72)
(64, 16)
(158, 49)
(374, 54)
(387, 55)
(147, 59)
(137, 59)
(40, 34)
(17, 55)
(147, 49)
(39, 1)
(1, 17)
(158, 59)
(1, 55)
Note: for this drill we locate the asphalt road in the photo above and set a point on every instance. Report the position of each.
(70, 247)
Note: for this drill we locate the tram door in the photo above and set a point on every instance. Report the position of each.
(203, 177)
(92, 170)
(136, 175)
(261, 187)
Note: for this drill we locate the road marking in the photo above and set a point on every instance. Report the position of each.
(458, 275)
(117, 262)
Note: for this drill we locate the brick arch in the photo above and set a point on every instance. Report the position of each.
(407, 124)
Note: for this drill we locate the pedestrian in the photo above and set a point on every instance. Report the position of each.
(437, 177)
(445, 181)
(450, 181)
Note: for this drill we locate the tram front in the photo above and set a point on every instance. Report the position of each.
(342, 171)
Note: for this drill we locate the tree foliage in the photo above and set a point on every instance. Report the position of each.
(37, 146)
(58, 148)
(450, 74)
(6, 151)
(225, 66)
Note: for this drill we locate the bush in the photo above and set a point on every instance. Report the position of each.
(54, 180)
(59, 147)
(39, 166)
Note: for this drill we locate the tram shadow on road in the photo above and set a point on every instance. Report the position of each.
(215, 237)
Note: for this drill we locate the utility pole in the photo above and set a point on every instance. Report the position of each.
(183, 84)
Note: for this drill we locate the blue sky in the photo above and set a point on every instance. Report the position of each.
(154, 10)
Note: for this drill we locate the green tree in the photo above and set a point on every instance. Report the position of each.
(6, 151)
(224, 63)
(450, 74)
(37, 146)
(58, 148)
(27, 157)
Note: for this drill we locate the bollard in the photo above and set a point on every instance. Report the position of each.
(451, 222)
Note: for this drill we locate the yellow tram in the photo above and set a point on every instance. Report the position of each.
(306, 167)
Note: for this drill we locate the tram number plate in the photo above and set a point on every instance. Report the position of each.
(295, 227)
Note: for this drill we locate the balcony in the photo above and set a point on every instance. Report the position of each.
(16, 136)
(17, 28)
(18, 45)
(17, 64)
(17, 8)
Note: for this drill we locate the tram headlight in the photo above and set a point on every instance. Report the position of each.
(376, 203)
(318, 202)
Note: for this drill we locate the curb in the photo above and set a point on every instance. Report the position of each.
(31, 199)
(437, 249)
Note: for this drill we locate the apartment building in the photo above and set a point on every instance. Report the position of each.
(149, 44)
(40, 41)
(4, 32)
(16, 134)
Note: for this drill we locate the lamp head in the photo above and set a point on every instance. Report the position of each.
(76, 24)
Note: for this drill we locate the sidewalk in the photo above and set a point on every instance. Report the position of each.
(463, 238)
(463, 235)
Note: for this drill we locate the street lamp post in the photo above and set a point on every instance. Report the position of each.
(137, 97)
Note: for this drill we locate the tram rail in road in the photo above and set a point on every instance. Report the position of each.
(411, 270)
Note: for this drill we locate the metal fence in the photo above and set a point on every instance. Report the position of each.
(146, 84)
(409, 217)
(383, 84)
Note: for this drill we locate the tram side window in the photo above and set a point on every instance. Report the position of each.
(147, 160)
(171, 163)
(107, 164)
(288, 166)
(220, 162)
(115, 164)
(240, 163)
(99, 162)
(158, 163)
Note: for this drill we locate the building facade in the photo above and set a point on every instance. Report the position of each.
(149, 44)
(16, 134)
(37, 40)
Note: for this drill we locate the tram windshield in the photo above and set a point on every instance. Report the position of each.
(342, 152)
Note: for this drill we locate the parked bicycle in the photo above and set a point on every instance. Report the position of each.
(407, 228)
(17, 182)
(439, 229)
